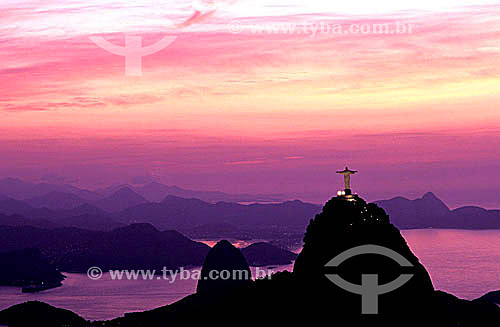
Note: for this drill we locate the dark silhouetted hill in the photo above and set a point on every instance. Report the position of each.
(430, 212)
(120, 200)
(26, 267)
(493, 297)
(174, 212)
(343, 225)
(222, 259)
(34, 313)
(84, 216)
(51, 242)
(306, 294)
(265, 254)
(471, 217)
(452, 311)
(138, 246)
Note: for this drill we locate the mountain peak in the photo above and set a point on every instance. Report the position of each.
(223, 257)
(430, 196)
(125, 190)
(153, 183)
(437, 204)
(122, 199)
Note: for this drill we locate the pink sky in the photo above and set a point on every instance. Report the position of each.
(269, 112)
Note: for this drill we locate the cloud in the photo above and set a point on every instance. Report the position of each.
(247, 162)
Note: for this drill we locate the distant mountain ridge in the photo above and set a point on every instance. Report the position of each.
(156, 192)
(120, 200)
(168, 207)
(18, 213)
(153, 192)
(21, 190)
(56, 200)
(430, 212)
(175, 212)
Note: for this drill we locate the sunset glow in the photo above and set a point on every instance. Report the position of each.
(256, 112)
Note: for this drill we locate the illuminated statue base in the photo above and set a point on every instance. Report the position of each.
(347, 195)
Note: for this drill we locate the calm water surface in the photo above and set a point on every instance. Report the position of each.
(465, 263)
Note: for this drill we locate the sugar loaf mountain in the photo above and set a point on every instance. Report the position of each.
(307, 293)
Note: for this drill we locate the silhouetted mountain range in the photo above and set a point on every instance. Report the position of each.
(64, 205)
(153, 192)
(56, 201)
(175, 212)
(17, 213)
(138, 246)
(430, 212)
(21, 190)
(307, 294)
(120, 200)
(156, 192)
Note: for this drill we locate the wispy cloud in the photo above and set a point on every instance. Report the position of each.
(275, 103)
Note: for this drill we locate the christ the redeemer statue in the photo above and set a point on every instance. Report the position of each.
(347, 177)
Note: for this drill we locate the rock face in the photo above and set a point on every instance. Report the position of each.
(36, 313)
(225, 269)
